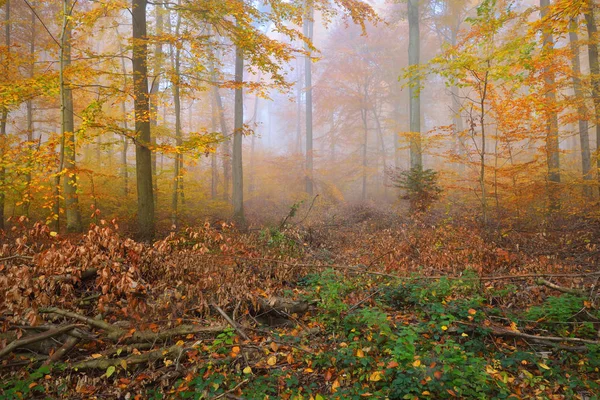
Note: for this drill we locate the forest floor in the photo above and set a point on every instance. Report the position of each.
(366, 305)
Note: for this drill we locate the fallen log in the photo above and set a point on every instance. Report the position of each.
(36, 338)
(104, 363)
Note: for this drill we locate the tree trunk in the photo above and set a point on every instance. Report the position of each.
(595, 74)
(226, 145)
(457, 121)
(364, 115)
(298, 143)
(4, 120)
(154, 92)
(214, 182)
(177, 178)
(125, 141)
(308, 32)
(552, 144)
(584, 137)
(30, 126)
(238, 134)
(416, 158)
(143, 154)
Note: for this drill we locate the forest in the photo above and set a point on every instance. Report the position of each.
(299, 199)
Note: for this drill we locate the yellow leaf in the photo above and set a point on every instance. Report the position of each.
(544, 366)
(308, 370)
(168, 362)
(272, 361)
(96, 355)
(444, 328)
(360, 353)
(247, 370)
(53, 234)
(180, 343)
(417, 363)
(375, 376)
(335, 385)
(124, 364)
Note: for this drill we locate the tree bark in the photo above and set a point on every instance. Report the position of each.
(30, 125)
(552, 143)
(177, 179)
(154, 92)
(238, 133)
(584, 137)
(214, 182)
(143, 154)
(308, 32)
(416, 158)
(592, 29)
(68, 131)
(125, 139)
(4, 120)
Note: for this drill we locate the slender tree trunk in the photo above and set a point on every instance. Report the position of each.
(298, 109)
(592, 29)
(308, 32)
(482, 111)
(238, 134)
(30, 126)
(457, 121)
(416, 158)
(584, 137)
(177, 179)
(68, 151)
(4, 119)
(364, 115)
(226, 145)
(552, 143)
(383, 151)
(125, 139)
(252, 183)
(143, 154)
(214, 182)
(154, 93)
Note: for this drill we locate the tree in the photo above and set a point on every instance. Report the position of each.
(416, 158)
(143, 154)
(584, 138)
(4, 115)
(552, 144)
(68, 127)
(308, 33)
(592, 29)
(238, 134)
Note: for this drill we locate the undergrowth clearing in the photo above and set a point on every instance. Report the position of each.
(366, 306)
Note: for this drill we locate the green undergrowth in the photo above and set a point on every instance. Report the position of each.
(418, 339)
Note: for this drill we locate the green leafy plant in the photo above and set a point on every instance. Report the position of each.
(421, 186)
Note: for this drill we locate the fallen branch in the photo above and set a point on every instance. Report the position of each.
(16, 256)
(36, 338)
(498, 331)
(150, 336)
(63, 350)
(95, 323)
(231, 322)
(104, 363)
(227, 393)
(577, 292)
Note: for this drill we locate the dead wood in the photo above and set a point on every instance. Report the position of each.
(58, 355)
(577, 292)
(151, 356)
(498, 331)
(36, 338)
(282, 305)
(231, 322)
